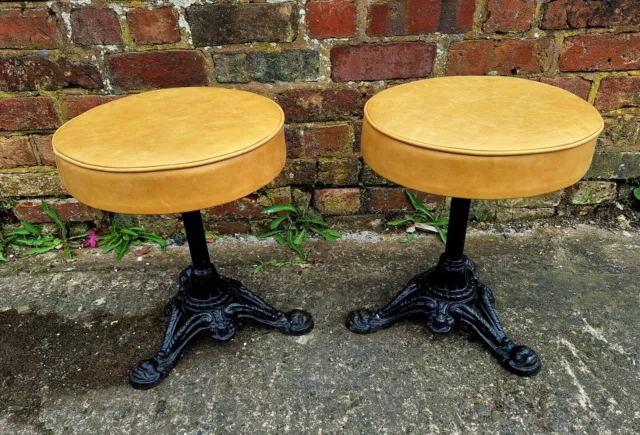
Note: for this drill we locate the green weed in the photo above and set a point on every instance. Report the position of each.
(120, 239)
(423, 218)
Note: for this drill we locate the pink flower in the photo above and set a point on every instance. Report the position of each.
(91, 240)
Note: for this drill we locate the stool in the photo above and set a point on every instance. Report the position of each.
(472, 138)
(179, 151)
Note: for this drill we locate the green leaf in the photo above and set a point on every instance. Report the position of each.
(299, 237)
(269, 234)
(442, 234)
(2, 257)
(19, 232)
(410, 237)
(276, 223)
(280, 207)
(316, 221)
(418, 205)
(40, 250)
(32, 229)
(279, 239)
(636, 193)
(399, 222)
(257, 269)
(129, 232)
(52, 214)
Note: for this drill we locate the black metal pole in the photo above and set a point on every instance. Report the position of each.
(458, 217)
(196, 239)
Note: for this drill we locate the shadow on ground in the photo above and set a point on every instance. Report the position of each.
(71, 330)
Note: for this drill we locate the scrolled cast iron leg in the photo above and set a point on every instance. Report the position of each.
(181, 329)
(410, 301)
(521, 360)
(248, 305)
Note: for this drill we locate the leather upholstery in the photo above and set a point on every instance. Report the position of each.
(172, 150)
(480, 137)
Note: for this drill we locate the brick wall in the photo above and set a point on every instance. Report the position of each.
(320, 60)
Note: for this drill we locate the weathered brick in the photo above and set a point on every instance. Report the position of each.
(404, 17)
(592, 192)
(456, 16)
(382, 61)
(575, 85)
(339, 172)
(261, 66)
(337, 201)
(332, 141)
(157, 69)
(504, 57)
(565, 14)
(154, 26)
(303, 105)
(230, 226)
(35, 113)
(547, 200)
(74, 105)
(15, 151)
(69, 210)
(45, 148)
(614, 166)
(29, 183)
(509, 15)
(296, 172)
(93, 26)
(30, 73)
(601, 52)
(227, 23)
(372, 178)
(524, 214)
(621, 133)
(246, 207)
(618, 92)
(385, 199)
(331, 19)
(28, 29)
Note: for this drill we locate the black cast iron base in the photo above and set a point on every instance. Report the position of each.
(217, 316)
(445, 297)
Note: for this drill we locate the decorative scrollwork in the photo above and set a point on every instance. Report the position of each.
(218, 316)
(447, 296)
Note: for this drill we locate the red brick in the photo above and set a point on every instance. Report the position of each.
(157, 69)
(154, 26)
(246, 207)
(382, 61)
(331, 19)
(510, 56)
(509, 15)
(456, 16)
(333, 141)
(28, 29)
(296, 172)
(35, 113)
(618, 92)
(575, 85)
(45, 148)
(230, 226)
(75, 105)
(565, 14)
(383, 199)
(30, 73)
(69, 210)
(15, 151)
(601, 52)
(303, 105)
(92, 26)
(404, 17)
(227, 23)
(339, 172)
(337, 201)
(33, 183)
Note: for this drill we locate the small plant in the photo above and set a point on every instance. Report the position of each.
(636, 193)
(121, 239)
(423, 220)
(209, 235)
(294, 228)
(64, 233)
(276, 263)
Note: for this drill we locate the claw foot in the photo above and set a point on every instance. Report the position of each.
(147, 374)
(364, 322)
(522, 361)
(299, 323)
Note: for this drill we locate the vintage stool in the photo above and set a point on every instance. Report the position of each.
(472, 138)
(179, 151)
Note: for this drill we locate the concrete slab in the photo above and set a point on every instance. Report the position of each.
(71, 330)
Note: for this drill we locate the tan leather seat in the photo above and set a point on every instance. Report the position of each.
(480, 137)
(172, 150)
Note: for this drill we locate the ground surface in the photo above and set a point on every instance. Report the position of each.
(70, 332)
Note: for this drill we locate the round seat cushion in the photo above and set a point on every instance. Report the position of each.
(172, 150)
(480, 137)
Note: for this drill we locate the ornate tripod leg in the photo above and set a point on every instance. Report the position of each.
(409, 302)
(450, 295)
(249, 306)
(207, 302)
